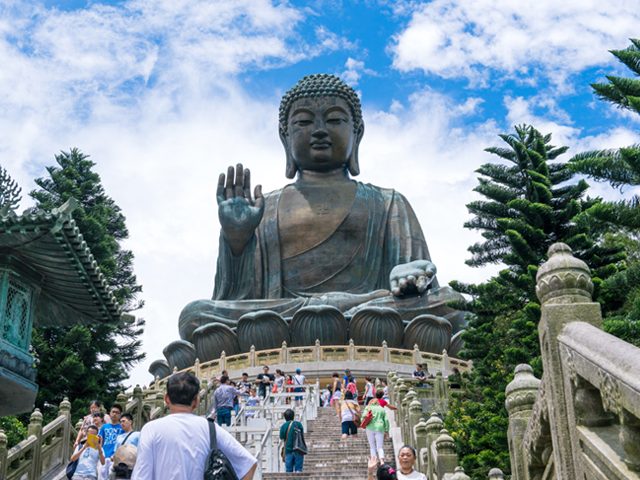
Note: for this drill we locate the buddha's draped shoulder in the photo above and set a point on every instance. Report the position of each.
(379, 232)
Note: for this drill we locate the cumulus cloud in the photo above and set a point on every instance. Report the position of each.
(355, 69)
(487, 39)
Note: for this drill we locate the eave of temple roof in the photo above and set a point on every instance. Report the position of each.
(72, 285)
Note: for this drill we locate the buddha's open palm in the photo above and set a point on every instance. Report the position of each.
(239, 214)
(412, 276)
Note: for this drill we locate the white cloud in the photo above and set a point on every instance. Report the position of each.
(354, 71)
(484, 38)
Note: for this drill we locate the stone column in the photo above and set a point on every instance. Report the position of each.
(446, 365)
(318, 351)
(440, 387)
(252, 356)
(433, 427)
(415, 415)
(521, 395)
(284, 353)
(3, 454)
(196, 368)
(35, 428)
(406, 415)
(352, 351)
(223, 361)
(564, 288)
(65, 411)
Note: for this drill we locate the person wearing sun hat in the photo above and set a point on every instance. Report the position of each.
(123, 462)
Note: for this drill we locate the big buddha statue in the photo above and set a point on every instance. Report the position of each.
(348, 258)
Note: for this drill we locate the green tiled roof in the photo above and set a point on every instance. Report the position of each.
(73, 289)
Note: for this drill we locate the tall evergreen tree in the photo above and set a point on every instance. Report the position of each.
(88, 362)
(530, 205)
(619, 167)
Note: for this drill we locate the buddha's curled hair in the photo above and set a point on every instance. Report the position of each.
(320, 85)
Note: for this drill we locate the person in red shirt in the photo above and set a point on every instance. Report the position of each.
(383, 403)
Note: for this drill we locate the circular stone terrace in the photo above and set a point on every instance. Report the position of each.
(316, 362)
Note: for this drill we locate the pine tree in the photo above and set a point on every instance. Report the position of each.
(83, 362)
(530, 205)
(619, 167)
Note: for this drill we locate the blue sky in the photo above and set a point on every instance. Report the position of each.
(164, 94)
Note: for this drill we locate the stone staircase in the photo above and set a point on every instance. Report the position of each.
(330, 457)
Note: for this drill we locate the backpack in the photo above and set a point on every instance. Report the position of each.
(217, 466)
(352, 388)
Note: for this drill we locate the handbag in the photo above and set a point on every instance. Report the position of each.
(299, 444)
(357, 419)
(367, 419)
(217, 465)
(284, 447)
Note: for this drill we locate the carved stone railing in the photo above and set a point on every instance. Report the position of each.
(44, 451)
(319, 354)
(582, 421)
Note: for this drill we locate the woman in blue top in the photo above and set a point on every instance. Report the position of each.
(88, 458)
(287, 431)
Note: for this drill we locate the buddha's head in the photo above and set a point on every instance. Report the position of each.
(321, 125)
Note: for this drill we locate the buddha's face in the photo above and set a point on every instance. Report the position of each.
(320, 133)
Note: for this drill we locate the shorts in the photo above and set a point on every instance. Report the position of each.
(349, 428)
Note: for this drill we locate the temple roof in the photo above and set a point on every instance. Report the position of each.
(50, 250)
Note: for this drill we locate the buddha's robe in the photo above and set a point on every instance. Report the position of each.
(349, 269)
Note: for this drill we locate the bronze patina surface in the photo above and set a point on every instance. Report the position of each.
(325, 239)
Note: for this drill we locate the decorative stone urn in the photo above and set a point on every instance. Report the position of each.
(521, 392)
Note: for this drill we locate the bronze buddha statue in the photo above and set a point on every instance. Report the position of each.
(324, 240)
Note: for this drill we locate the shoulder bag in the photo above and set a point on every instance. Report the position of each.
(284, 447)
(356, 415)
(217, 465)
(299, 444)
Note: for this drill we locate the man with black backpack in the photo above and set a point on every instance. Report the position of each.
(177, 447)
(294, 448)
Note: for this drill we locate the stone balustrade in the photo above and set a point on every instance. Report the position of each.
(318, 360)
(44, 451)
(582, 419)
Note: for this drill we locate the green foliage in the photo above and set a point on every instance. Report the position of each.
(13, 429)
(530, 206)
(9, 193)
(621, 168)
(86, 363)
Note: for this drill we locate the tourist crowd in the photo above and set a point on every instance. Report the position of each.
(176, 446)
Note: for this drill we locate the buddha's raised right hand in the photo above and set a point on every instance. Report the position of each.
(239, 214)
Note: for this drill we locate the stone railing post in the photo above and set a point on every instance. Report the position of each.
(446, 365)
(122, 398)
(417, 358)
(318, 351)
(391, 380)
(420, 441)
(352, 351)
(137, 417)
(406, 415)
(65, 411)
(521, 395)
(175, 370)
(3, 454)
(196, 368)
(415, 415)
(401, 391)
(433, 427)
(447, 458)
(223, 361)
(440, 387)
(496, 474)
(35, 428)
(252, 356)
(204, 402)
(458, 474)
(564, 288)
(284, 353)
(385, 352)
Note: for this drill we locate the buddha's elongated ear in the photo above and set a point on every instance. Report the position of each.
(291, 168)
(354, 164)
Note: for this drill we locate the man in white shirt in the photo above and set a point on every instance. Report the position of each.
(175, 447)
(299, 379)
